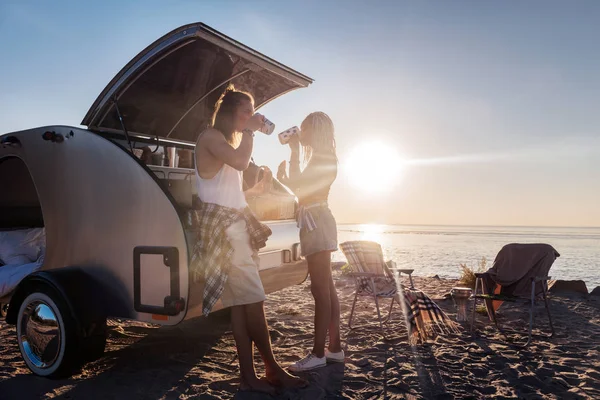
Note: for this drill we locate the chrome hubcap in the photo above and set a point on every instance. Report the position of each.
(40, 334)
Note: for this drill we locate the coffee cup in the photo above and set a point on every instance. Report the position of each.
(173, 157)
(284, 137)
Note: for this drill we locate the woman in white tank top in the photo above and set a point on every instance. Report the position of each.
(219, 167)
(225, 188)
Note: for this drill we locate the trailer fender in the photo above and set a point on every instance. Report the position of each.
(81, 293)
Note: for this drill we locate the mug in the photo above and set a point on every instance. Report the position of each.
(284, 137)
(267, 126)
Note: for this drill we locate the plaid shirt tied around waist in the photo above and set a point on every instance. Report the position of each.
(211, 255)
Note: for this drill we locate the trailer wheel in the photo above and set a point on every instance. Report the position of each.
(3, 310)
(47, 334)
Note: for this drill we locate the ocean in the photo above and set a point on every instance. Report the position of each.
(439, 250)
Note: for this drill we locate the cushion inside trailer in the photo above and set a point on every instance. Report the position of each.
(21, 253)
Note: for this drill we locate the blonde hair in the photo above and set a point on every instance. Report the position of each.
(320, 135)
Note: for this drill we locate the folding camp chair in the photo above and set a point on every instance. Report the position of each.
(372, 275)
(517, 268)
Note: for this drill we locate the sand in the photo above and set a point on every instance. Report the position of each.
(196, 359)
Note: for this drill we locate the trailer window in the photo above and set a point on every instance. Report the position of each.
(19, 203)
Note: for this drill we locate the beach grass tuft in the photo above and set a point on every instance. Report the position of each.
(467, 277)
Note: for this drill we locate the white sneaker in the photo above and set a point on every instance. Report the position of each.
(309, 362)
(334, 357)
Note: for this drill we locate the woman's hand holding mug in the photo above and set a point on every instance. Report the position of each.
(294, 143)
(255, 122)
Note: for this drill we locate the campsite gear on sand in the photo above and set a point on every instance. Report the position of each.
(374, 277)
(460, 297)
(520, 272)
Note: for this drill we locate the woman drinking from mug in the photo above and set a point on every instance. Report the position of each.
(318, 230)
(229, 237)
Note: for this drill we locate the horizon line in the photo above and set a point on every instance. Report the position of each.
(473, 226)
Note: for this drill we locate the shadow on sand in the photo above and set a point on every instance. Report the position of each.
(156, 363)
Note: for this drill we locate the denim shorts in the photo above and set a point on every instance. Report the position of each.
(323, 237)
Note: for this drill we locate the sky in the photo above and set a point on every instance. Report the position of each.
(486, 112)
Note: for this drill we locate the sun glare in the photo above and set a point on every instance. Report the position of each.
(373, 167)
(372, 232)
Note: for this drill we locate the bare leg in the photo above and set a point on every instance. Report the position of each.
(256, 324)
(335, 343)
(319, 268)
(243, 342)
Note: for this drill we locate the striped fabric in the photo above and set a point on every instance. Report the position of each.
(425, 318)
(364, 256)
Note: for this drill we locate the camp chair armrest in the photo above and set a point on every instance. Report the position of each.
(403, 271)
(365, 275)
(390, 266)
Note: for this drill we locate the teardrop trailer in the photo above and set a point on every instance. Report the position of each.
(114, 235)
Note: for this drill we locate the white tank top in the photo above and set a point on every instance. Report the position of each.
(224, 189)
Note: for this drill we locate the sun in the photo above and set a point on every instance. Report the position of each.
(373, 167)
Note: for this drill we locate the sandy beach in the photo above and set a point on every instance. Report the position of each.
(197, 358)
